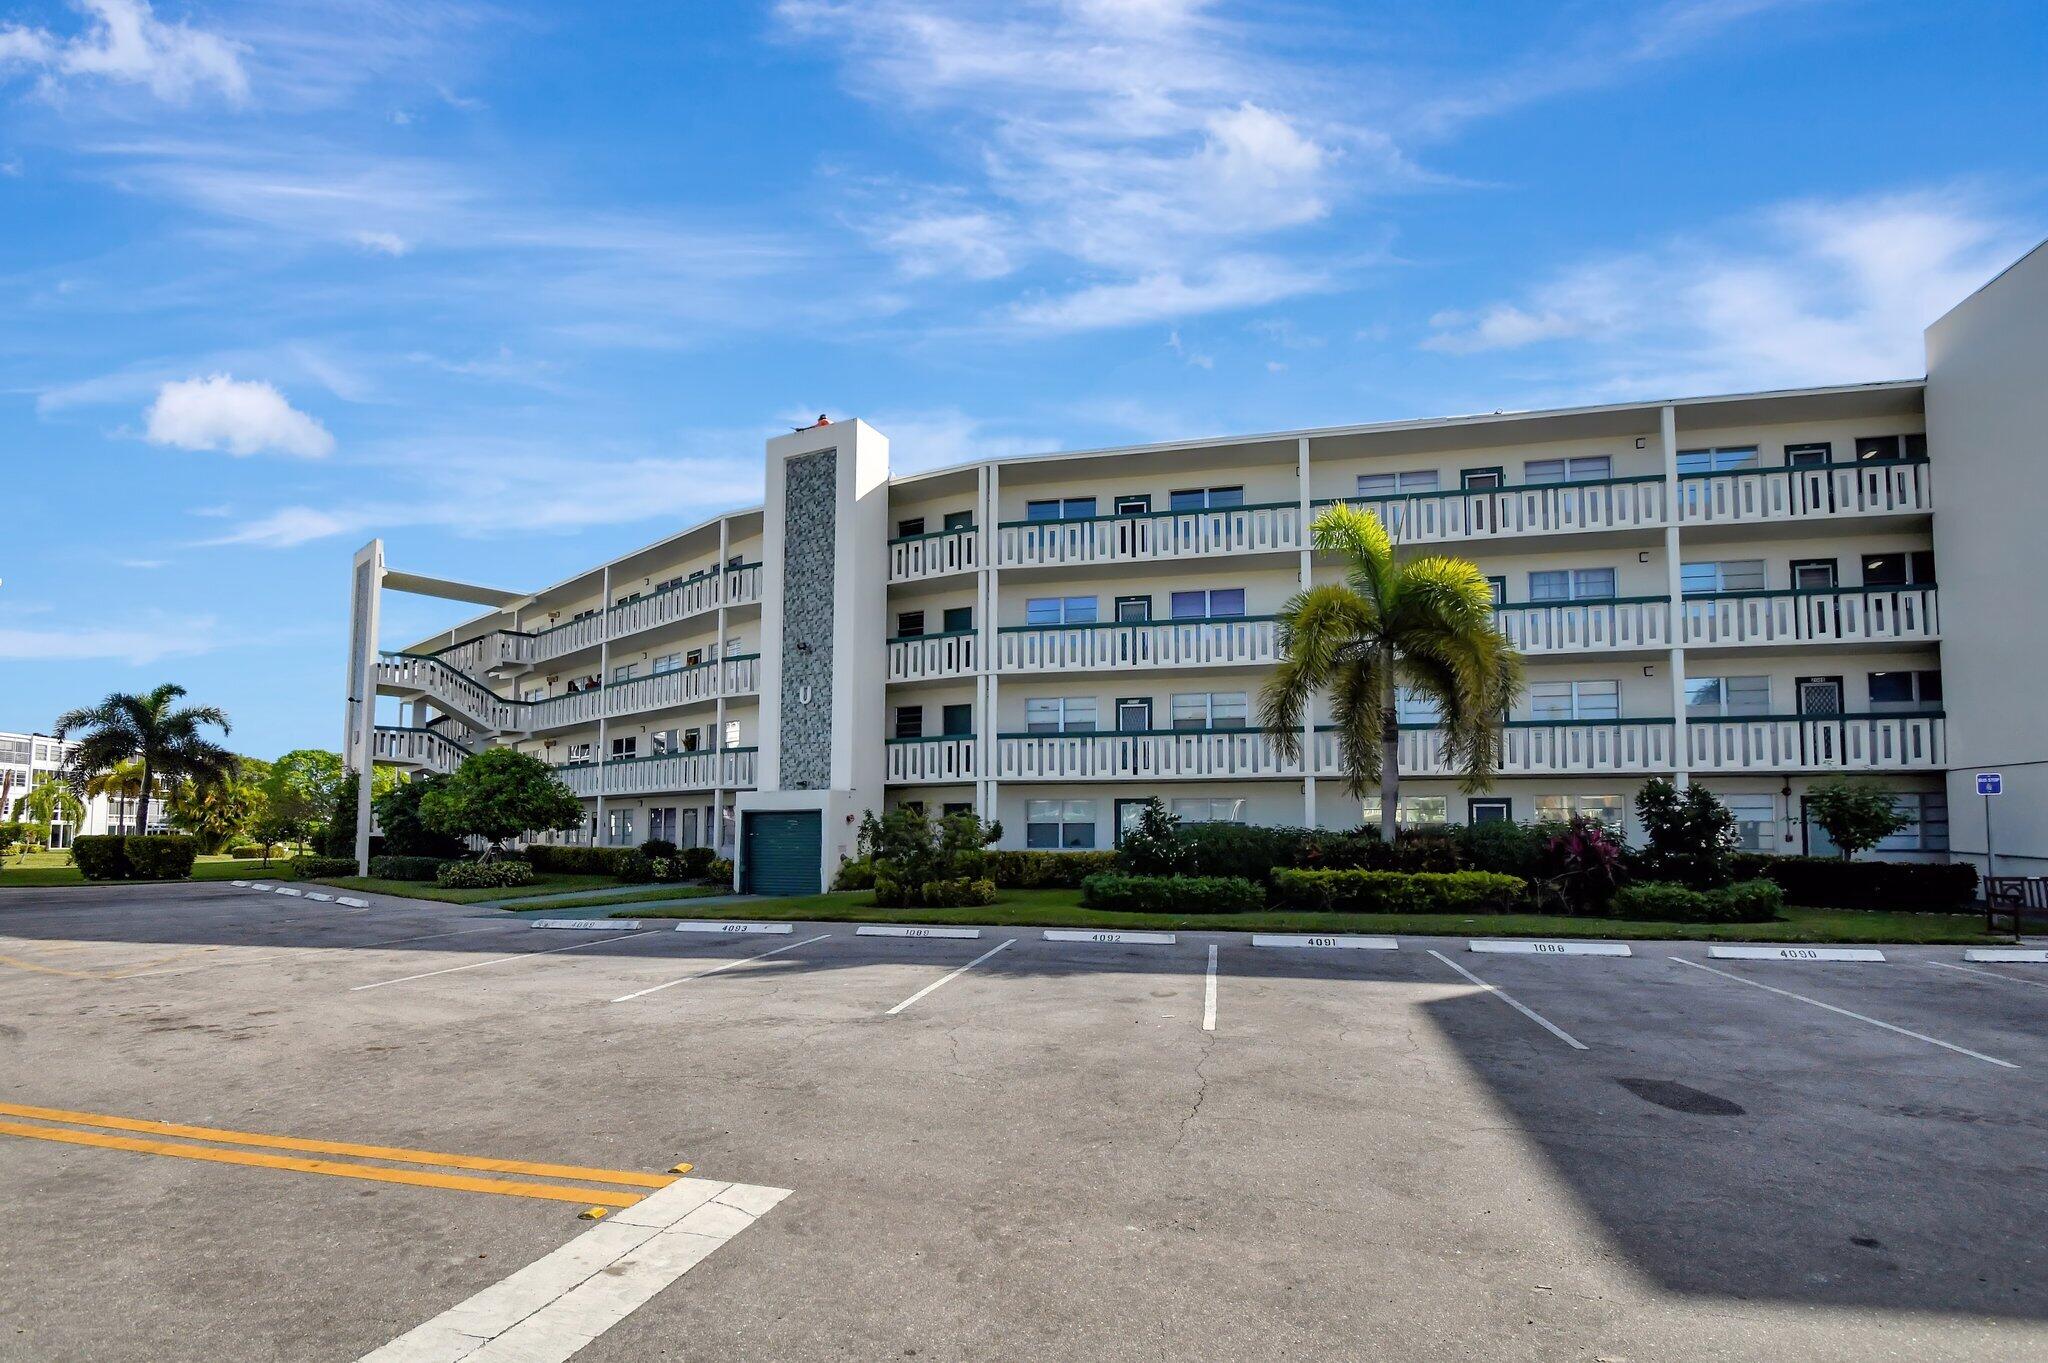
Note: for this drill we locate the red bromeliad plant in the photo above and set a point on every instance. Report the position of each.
(1581, 865)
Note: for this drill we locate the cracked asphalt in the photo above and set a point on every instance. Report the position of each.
(1045, 1158)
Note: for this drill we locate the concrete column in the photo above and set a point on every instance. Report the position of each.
(360, 733)
(988, 682)
(1306, 577)
(1667, 443)
(604, 677)
(710, 835)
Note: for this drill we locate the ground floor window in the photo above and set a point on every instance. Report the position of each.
(1050, 824)
(1209, 811)
(1611, 810)
(1489, 810)
(1412, 811)
(1756, 821)
(618, 829)
(661, 824)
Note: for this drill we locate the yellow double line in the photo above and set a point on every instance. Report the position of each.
(261, 1158)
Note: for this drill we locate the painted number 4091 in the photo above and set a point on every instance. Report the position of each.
(1322, 941)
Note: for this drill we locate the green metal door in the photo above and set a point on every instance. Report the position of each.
(783, 852)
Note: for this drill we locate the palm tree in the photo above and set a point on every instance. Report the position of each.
(164, 741)
(50, 801)
(1424, 625)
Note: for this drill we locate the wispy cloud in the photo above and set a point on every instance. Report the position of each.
(124, 43)
(1815, 291)
(241, 416)
(142, 641)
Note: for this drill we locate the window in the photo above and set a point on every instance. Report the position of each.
(736, 561)
(1413, 707)
(1724, 459)
(1216, 603)
(1134, 504)
(909, 624)
(1572, 584)
(1926, 827)
(1914, 569)
(694, 658)
(665, 662)
(1608, 809)
(957, 721)
(1060, 715)
(954, 808)
(1575, 700)
(959, 520)
(1059, 610)
(910, 721)
(1411, 811)
(1756, 819)
(913, 525)
(1059, 509)
(1134, 715)
(1813, 574)
(1205, 499)
(1209, 710)
(1059, 824)
(1499, 587)
(691, 740)
(1209, 811)
(1125, 818)
(533, 693)
(732, 733)
(661, 742)
(1904, 692)
(1577, 469)
(578, 753)
(661, 823)
(959, 619)
(1396, 484)
(733, 646)
(1489, 810)
(1869, 447)
(1727, 695)
(1474, 480)
(627, 599)
(624, 672)
(619, 827)
(1133, 610)
(1816, 455)
(1727, 575)
(625, 749)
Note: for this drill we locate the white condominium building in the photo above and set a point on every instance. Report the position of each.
(1751, 591)
(28, 759)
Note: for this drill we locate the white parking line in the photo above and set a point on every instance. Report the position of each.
(1209, 994)
(563, 1300)
(1511, 1001)
(656, 989)
(431, 936)
(495, 960)
(1917, 1036)
(1988, 974)
(951, 975)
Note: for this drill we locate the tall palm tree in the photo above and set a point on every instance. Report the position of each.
(51, 801)
(1424, 625)
(153, 731)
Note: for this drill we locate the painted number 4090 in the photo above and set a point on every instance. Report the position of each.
(1800, 954)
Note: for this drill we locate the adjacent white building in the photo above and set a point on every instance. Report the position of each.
(26, 760)
(1752, 591)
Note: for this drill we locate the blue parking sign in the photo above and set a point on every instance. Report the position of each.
(1990, 783)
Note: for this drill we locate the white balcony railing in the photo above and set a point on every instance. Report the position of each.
(735, 676)
(1249, 639)
(1587, 626)
(731, 769)
(1876, 487)
(934, 554)
(1150, 535)
(424, 748)
(413, 674)
(923, 657)
(1916, 742)
(737, 586)
(1836, 615)
(927, 760)
(1531, 509)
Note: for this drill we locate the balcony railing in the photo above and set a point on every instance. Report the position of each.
(1530, 509)
(731, 769)
(1216, 642)
(1139, 536)
(1622, 622)
(947, 757)
(695, 595)
(1903, 742)
(1868, 488)
(926, 656)
(462, 695)
(426, 748)
(738, 675)
(1810, 616)
(935, 553)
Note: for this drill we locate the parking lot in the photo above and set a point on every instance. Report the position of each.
(993, 1147)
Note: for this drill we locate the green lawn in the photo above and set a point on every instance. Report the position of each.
(646, 893)
(1062, 909)
(427, 889)
(53, 870)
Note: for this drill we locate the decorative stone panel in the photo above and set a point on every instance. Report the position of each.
(809, 544)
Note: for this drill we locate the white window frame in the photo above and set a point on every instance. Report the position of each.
(1206, 706)
(1071, 715)
(1401, 483)
(1575, 468)
(1580, 584)
(1721, 575)
(1209, 809)
(1210, 608)
(1611, 810)
(1580, 693)
(1073, 824)
(1410, 811)
(1756, 820)
(1718, 459)
(1721, 708)
(1050, 611)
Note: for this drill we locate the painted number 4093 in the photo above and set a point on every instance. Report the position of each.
(734, 927)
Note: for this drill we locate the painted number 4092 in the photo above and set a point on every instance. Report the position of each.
(1104, 937)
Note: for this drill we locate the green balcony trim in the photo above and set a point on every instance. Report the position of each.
(1151, 515)
(1137, 624)
(432, 732)
(594, 763)
(1855, 716)
(936, 534)
(483, 690)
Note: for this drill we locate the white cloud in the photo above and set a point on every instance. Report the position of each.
(1199, 361)
(1231, 282)
(934, 439)
(243, 417)
(970, 244)
(384, 243)
(1815, 291)
(125, 43)
(143, 642)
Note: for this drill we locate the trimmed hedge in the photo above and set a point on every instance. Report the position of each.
(153, 856)
(1172, 894)
(483, 875)
(1663, 901)
(1829, 883)
(962, 892)
(313, 868)
(1397, 891)
(404, 868)
(251, 852)
(99, 856)
(627, 863)
(1045, 870)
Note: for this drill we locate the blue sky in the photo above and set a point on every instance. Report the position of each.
(519, 286)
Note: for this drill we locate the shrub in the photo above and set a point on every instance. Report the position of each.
(1502, 847)
(252, 852)
(1245, 851)
(1155, 847)
(631, 865)
(100, 856)
(719, 872)
(161, 856)
(1690, 835)
(571, 861)
(1663, 901)
(659, 847)
(958, 892)
(1907, 886)
(694, 863)
(483, 875)
(1045, 870)
(855, 873)
(404, 868)
(1398, 891)
(406, 832)
(1580, 866)
(1857, 817)
(315, 868)
(1172, 894)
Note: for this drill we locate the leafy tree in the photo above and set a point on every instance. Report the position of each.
(216, 811)
(1423, 625)
(920, 860)
(1856, 817)
(1154, 847)
(497, 794)
(1691, 835)
(406, 833)
(50, 801)
(152, 730)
